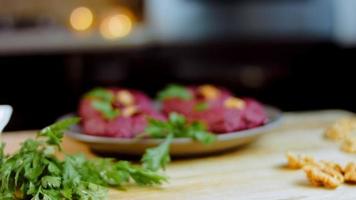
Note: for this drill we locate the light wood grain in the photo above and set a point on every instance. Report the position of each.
(253, 172)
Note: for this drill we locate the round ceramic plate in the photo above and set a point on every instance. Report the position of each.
(180, 146)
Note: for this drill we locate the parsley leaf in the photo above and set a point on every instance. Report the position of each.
(102, 102)
(176, 127)
(100, 93)
(140, 175)
(158, 157)
(201, 106)
(106, 109)
(34, 172)
(51, 181)
(198, 132)
(2, 155)
(54, 132)
(174, 91)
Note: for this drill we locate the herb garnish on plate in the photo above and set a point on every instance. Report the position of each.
(175, 91)
(102, 102)
(175, 127)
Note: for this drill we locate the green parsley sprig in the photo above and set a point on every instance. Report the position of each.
(175, 127)
(34, 172)
(174, 91)
(201, 106)
(102, 102)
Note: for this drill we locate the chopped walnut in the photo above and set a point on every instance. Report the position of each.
(331, 164)
(209, 91)
(340, 129)
(350, 172)
(349, 145)
(323, 175)
(234, 103)
(299, 161)
(129, 111)
(125, 97)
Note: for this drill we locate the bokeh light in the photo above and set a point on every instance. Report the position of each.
(116, 26)
(81, 18)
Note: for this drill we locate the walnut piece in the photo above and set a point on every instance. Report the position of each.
(323, 175)
(234, 103)
(350, 172)
(209, 92)
(129, 111)
(125, 97)
(298, 161)
(349, 145)
(341, 129)
(331, 164)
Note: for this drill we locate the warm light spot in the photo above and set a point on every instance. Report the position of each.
(81, 18)
(116, 26)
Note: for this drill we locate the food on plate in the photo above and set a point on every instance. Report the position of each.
(214, 106)
(34, 171)
(120, 112)
(186, 112)
(116, 112)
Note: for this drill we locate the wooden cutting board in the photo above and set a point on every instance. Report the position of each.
(256, 171)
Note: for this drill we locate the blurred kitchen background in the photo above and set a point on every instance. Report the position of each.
(294, 54)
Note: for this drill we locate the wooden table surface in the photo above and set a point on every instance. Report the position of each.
(254, 172)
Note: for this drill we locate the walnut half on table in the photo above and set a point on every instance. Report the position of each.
(341, 129)
(350, 172)
(323, 175)
(298, 161)
(349, 145)
(319, 173)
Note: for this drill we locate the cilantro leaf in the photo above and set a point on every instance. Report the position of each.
(176, 127)
(102, 102)
(90, 191)
(198, 132)
(174, 91)
(51, 181)
(176, 120)
(100, 93)
(201, 106)
(54, 132)
(157, 128)
(140, 175)
(106, 109)
(34, 172)
(2, 154)
(158, 157)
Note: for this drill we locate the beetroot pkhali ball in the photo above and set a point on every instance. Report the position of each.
(116, 112)
(217, 108)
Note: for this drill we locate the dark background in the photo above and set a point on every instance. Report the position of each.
(285, 62)
(290, 76)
